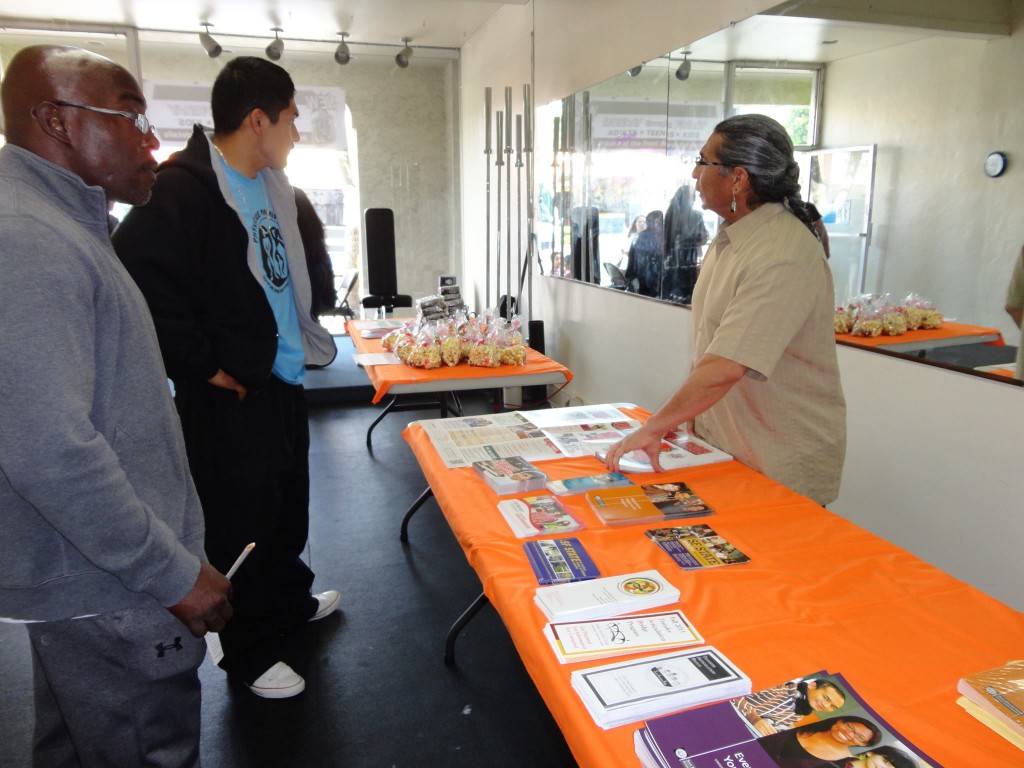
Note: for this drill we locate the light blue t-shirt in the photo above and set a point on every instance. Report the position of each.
(254, 204)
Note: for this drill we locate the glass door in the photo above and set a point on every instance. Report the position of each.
(840, 184)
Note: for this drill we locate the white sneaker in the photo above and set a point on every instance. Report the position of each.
(328, 604)
(278, 682)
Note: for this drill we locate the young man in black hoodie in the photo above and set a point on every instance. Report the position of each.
(218, 255)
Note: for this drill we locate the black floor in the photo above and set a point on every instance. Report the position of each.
(378, 693)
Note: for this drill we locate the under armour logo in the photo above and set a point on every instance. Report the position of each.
(175, 646)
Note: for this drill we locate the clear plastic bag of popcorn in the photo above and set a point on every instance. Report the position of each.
(842, 321)
(450, 344)
(868, 322)
(403, 346)
(513, 351)
(916, 308)
(931, 319)
(391, 339)
(894, 321)
(424, 352)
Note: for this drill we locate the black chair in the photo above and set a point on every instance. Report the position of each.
(382, 277)
(345, 290)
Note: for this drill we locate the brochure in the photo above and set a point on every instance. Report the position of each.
(815, 720)
(574, 485)
(537, 515)
(696, 546)
(606, 597)
(560, 561)
(627, 691)
(600, 638)
(510, 475)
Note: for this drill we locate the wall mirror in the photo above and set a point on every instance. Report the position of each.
(899, 109)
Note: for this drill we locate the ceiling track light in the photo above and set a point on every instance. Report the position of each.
(403, 56)
(635, 71)
(683, 72)
(212, 47)
(342, 55)
(276, 47)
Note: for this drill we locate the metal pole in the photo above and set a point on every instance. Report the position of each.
(528, 152)
(519, 214)
(487, 164)
(555, 145)
(508, 201)
(497, 251)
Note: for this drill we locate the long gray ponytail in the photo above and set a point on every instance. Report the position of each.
(762, 146)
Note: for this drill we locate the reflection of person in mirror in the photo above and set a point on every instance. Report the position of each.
(645, 256)
(1015, 307)
(639, 225)
(685, 234)
(765, 380)
(818, 227)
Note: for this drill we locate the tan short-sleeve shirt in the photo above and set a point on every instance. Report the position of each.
(765, 300)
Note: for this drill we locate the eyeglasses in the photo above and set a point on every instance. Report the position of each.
(140, 121)
(701, 161)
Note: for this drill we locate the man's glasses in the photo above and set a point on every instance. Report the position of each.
(140, 121)
(701, 161)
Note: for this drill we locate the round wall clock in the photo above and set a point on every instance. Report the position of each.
(995, 164)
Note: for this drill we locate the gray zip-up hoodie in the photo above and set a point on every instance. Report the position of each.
(98, 511)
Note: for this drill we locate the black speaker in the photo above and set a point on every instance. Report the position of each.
(379, 231)
(535, 333)
(533, 396)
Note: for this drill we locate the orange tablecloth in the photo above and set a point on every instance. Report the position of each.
(384, 377)
(819, 593)
(935, 337)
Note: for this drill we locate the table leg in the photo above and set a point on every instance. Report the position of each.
(462, 621)
(404, 536)
(379, 419)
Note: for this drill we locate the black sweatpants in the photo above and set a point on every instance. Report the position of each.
(250, 463)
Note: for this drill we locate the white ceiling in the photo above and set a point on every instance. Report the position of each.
(436, 23)
(801, 40)
(441, 24)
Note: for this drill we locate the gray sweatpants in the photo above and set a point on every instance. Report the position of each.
(121, 689)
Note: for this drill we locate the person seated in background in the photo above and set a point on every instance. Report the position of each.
(646, 256)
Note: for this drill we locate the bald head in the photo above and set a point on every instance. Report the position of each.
(44, 96)
(43, 73)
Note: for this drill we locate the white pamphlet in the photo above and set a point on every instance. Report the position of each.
(606, 597)
(600, 638)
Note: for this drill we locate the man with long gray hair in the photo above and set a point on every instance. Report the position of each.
(765, 382)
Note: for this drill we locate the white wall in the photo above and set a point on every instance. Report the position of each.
(934, 456)
(936, 108)
(933, 464)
